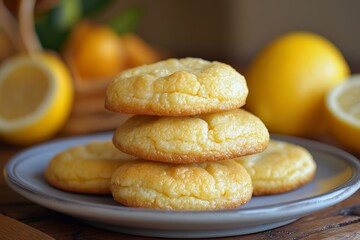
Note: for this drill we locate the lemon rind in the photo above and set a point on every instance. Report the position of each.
(333, 105)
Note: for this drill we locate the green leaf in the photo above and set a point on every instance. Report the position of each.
(67, 14)
(54, 26)
(127, 20)
(92, 7)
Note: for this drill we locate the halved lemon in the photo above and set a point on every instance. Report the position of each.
(36, 95)
(343, 105)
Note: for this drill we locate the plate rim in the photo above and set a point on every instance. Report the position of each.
(341, 192)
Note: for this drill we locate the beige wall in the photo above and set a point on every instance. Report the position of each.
(237, 29)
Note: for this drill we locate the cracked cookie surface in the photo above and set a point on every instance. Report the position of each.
(177, 87)
(86, 168)
(281, 167)
(209, 137)
(197, 186)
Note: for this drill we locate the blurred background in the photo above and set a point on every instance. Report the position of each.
(236, 30)
(231, 31)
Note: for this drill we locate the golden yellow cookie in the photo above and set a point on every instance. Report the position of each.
(197, 186)
(177, 87)
(210, 137)
(280, 168)
(86, 168)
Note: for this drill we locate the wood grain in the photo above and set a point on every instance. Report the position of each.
(12, 229)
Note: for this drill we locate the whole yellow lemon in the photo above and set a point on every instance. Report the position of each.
(289, 79)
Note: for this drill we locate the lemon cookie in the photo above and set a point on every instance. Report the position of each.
(209, 137)
(280, 168)
(177, 87)
(86, 168)
(196, 186)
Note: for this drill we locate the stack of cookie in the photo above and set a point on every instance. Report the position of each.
(187, 129)
(191, 145)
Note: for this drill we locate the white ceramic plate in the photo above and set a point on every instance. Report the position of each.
(337, 177)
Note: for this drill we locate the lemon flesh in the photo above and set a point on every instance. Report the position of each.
(349, 102)
(343, 111)
(36, 95)
(15, 89)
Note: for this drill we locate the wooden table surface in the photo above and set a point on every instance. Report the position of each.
(22, 219)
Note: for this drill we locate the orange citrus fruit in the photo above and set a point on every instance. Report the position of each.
(343, 108)
(288, 81)
(138, 51)
(36, 95)
(96, 51)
